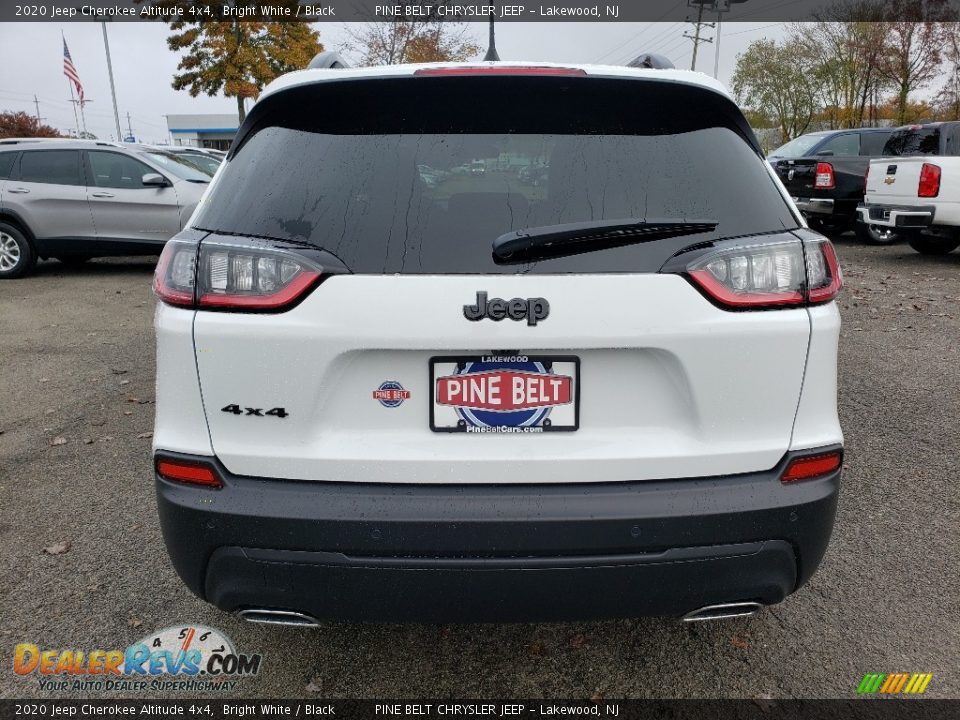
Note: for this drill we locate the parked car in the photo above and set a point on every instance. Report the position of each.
(76, 199)
(824, 173)
(480, 405)
(206, 160)
(918, 193)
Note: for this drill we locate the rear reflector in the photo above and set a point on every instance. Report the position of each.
(501, 70)
(193, 473)
(813, 466)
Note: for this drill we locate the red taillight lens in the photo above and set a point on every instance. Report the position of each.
(501, 70)
(175, 276)
(813, 466)
(824, 180)
(929, 180)
(253, 276)
(777, 274)
(824, 279)
(192, 473)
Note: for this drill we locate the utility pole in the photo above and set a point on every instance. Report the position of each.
(716, 50)
(129, 127)
(696, 35)
(36, 104)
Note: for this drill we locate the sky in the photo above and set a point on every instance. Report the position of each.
(32, 57)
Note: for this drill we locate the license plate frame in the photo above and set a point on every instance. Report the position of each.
(567, 413)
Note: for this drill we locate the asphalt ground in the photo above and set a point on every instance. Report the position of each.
(76, 392)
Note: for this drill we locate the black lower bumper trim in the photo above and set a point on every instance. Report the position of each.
(497, 553)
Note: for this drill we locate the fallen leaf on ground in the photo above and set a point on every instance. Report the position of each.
(536, 649)
(59, 440)
(315, 685)
(144, 436)
(579, 640)
(597, 696)
(57, 548)
(128, 412)
(739, 642)
(134, 622)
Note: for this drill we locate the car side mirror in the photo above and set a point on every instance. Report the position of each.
(154, 180)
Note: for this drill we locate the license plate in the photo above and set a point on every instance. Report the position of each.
(504, 394)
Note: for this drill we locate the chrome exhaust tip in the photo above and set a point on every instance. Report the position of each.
(724, 611)
(288, 618)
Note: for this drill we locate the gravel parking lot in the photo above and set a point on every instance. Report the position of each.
(76, 392)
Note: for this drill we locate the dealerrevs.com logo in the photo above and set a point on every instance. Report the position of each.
(190, 658)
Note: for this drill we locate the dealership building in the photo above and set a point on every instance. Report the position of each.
(206, 131)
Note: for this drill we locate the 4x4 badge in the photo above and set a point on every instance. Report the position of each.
(533, 309)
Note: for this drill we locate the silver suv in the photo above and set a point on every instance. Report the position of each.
(75, 199)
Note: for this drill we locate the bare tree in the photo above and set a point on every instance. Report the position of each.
(844, 48)
(409, 41)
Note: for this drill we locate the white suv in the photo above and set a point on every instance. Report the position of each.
(611, 393)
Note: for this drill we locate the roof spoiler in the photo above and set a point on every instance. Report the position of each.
(652, 61)
(328, 60)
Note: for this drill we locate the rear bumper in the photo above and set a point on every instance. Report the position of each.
(815, 206)
(496, 553)
(896, 216)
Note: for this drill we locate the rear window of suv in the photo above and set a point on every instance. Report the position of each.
(421, 175)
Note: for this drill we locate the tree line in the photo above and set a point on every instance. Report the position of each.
(839, 73)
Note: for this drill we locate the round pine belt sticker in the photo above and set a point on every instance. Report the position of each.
(391, 394)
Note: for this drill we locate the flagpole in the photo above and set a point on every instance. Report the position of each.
(76, 118)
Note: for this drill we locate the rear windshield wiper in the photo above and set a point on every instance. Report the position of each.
(553, 241)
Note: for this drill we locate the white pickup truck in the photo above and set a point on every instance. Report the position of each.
(917, 191)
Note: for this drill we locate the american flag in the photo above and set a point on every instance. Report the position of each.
(71, 72)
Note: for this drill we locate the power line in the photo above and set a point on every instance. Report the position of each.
(655, 40)
(756, 29)
(638, 35)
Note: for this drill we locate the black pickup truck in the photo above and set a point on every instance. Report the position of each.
(825, 173)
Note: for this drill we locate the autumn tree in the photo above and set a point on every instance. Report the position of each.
(913, 54)
(769, 81)
(236, 57)
(410, 41)
(843, 50)
(20, 124)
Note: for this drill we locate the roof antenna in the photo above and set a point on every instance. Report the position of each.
(492, 47)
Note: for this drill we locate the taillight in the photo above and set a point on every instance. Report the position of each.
(929, 180)
(500, 70)
(824, 279)
(769, 275)
(250, 276)
(825, 179)
(188, 471)
(812, 466)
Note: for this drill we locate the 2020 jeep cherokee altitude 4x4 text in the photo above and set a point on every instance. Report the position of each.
(610, 393)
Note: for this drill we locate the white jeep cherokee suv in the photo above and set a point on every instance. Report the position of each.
(392, 388)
